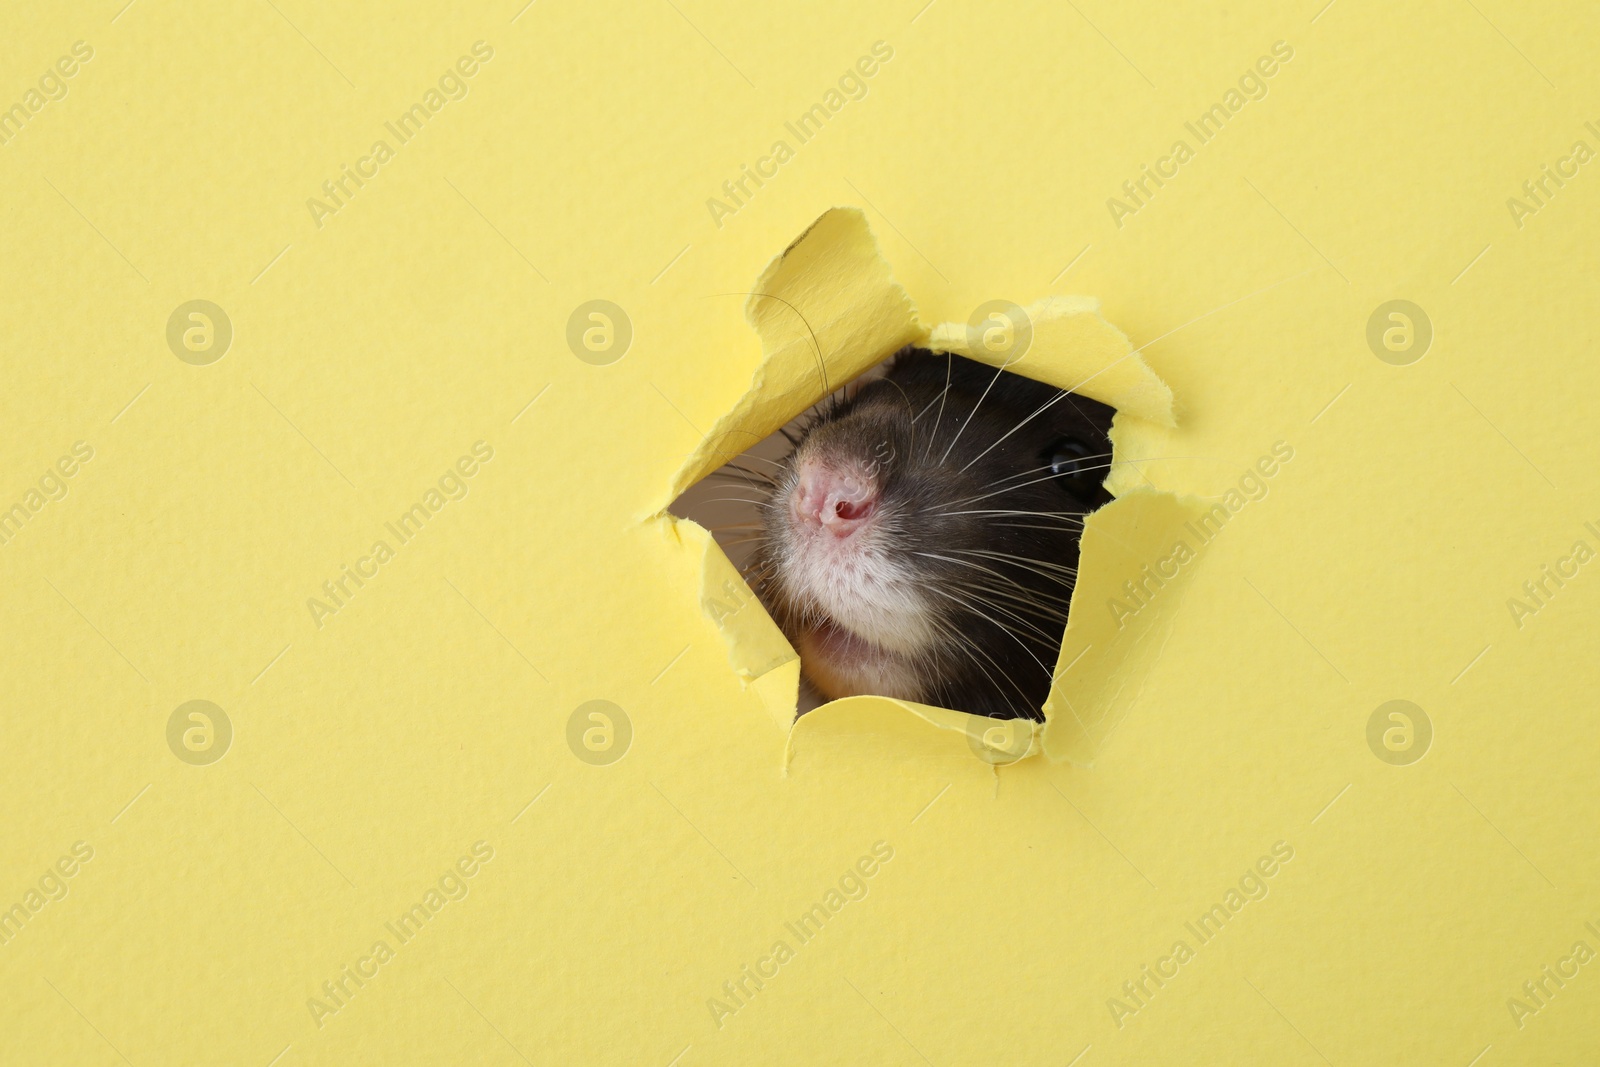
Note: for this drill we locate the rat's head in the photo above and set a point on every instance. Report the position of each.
(922, 539)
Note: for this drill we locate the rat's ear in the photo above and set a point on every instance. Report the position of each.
(849, 390)
(904, 355)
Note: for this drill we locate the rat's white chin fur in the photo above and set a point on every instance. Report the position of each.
(857, 587)
(841, 664)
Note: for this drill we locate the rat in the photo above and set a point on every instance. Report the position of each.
(920, 541)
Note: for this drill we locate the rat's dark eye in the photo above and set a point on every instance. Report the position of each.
(1074, 467)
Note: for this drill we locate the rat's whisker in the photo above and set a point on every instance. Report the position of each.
(968, 421)
(949, 368)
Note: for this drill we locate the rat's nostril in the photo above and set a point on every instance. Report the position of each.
(852, 509)
(833, 498)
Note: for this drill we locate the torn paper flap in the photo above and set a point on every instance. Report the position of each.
(826, 309)
(997, 742)
(1070, 347)
(757, 650)
(1137, 555)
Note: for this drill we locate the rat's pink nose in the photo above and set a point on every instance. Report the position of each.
(837, 500)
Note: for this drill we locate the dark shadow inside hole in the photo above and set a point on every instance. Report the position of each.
(915, 534)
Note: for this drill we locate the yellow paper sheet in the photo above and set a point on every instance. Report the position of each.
(364, 705)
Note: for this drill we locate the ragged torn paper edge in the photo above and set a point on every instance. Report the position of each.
(831, 297)
(828, 300)
(1073, 348)
(1137, 555)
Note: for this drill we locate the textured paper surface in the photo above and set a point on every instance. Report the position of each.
(1429, 539)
